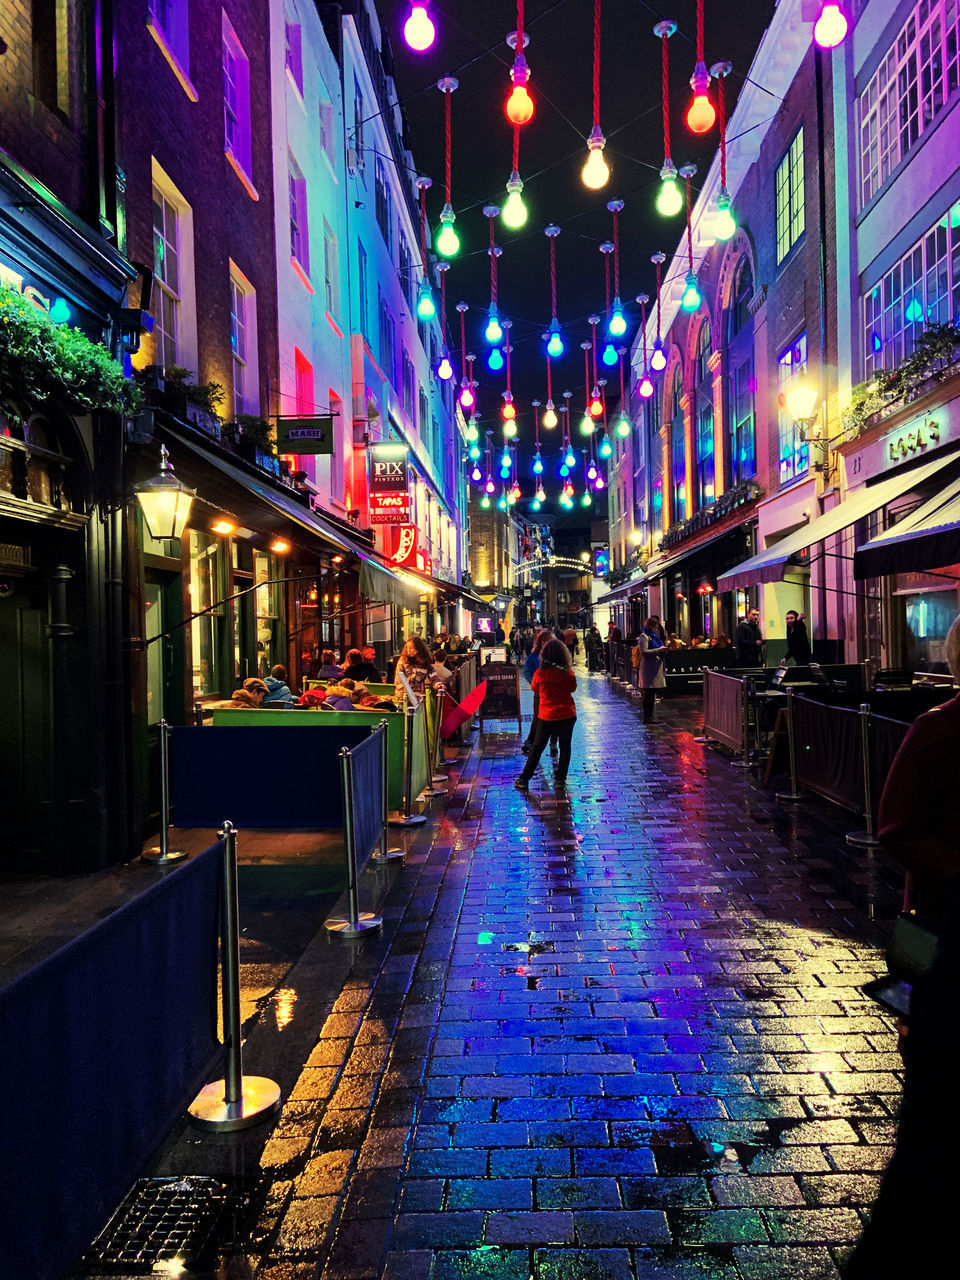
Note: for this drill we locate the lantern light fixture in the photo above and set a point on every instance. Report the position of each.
(164, 502)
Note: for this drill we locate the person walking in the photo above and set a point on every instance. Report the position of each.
(749, 642)
(531, 665)
(555, 682)
(798, 642)
(652, 652)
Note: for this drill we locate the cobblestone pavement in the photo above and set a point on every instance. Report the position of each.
(619, 1035)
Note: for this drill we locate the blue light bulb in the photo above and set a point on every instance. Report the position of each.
(495, 360)
(609, 356)
(555, 344)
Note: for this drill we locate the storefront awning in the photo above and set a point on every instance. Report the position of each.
(621, 592)
(661, 564)
(928, 538)
(771, 565)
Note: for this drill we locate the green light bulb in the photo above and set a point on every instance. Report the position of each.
(586, 425)
(669, 197)
(514, 212)
(623, 426)
(448, 242)
(725, 224)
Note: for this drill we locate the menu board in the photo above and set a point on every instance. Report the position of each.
(502, 700)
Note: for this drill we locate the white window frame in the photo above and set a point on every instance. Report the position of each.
(331, 271)
(293, 52)
(299, 220)
(237, 134)
(789, 197)
(168, 22)
(185, 346)
(793, 452)
(243, 343)
(913, 84)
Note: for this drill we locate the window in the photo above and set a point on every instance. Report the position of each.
(166, 272)
(908, 90)
(407, 282)
(363, 299)
(50, 36)
(654, 422)
(409, 387)
(383, 204)
(388, 338)
(358, 138)
(331, 274)
(236, 100)
(208, 567)
(299, 239)
(243, 344)
(168, 21)
(743, 452)
(790, 213)
(293, 53)
(738, 317)
(328, 141)
(423, 414)
(794, 452)
(303, 374)
(678, 448)
(920, 290)
(703, 402)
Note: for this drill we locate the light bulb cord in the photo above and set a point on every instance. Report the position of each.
(423, 229)
(606, 280)
(506, 347)
(463, 346)
(519, 26)
(516, 148)
(593, 343)
(666, 97)
(549, 384)
(493, 267)
(596, 63)
(689, 227)
(722, 110)
(658, 301)
(616, 253)
(553, 276)
(586, 376)
(443, 309)
(448, 153)
(699, 30)
(643, 330)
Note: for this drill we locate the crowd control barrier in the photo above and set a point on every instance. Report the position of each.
(104, 1043)
(725, 710)
(415, 774)
(163, 855)
(363, 779)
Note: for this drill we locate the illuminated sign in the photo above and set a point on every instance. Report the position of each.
(405, 546)
(57, 308)
(388, 484)
(907, 444)
(305, 435)
(601, 562)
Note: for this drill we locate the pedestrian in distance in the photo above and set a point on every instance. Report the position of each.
(798, 642)
(749, 642)
(571, 641)
(555, 682)
(651, 652)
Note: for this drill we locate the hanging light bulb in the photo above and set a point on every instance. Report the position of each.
(606, 448)
(691, 293)
(701, 114)
(475, 475)
(509, 410)
(592, 471)
(467, 398)
(554, 340)
(517, 491)
(426, 307)
(586, 425)
(669, 197)
(564, 470)
(550, 416)
(493, 332)
(445, 368)
(724, 224)
(830, 28)
(568, 489)
(519, 105)
(490, 486)
(473, 431)
(509, 429)
(596, 404)
(418, 30)
(536, 504)
(609, 356)
(448, 242)
(618, 325)
(541, 493)
(502, 503)
(646, 387)
(586, 500)
(538, 466)
(505, 460)
(474, 452)
(495, 359)
(599, 484)
(485, 502)
(623, 426)
(514, 211)
(570, 461)
(658, 359)
(596, 171)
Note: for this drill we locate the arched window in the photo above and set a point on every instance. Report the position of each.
(678, 450)
(703, 407)
(741, 386)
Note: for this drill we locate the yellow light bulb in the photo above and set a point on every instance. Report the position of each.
(596, 171)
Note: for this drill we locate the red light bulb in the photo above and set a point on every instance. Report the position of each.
(701, 115)
(508, 412)
(519, 105)
(596, 407)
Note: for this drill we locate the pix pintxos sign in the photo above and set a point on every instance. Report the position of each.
(388, 484)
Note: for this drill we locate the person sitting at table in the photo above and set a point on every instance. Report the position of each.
(278, 694)
(357, 667)
(250, 694)
(328, 668)
(340, 695)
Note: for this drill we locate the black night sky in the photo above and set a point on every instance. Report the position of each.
(470, 45)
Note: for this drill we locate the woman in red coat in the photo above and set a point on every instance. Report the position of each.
(555, 682)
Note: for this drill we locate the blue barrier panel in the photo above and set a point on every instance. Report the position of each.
(102, 1047)
(367, 763)
(267, 776)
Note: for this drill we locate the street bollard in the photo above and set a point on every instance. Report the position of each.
(356, 922)
(164, 856)
(237, 1101)
(406, 817)
(865, 839)
(794, 794)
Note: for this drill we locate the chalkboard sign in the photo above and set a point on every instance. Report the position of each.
(502, 699)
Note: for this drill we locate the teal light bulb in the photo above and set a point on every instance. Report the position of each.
(564, 471)
(606, 449)
(570, 460)
(691, 294)
(495, 360)
(426, 308)
(536, 504)
(618, 325)
(623, 426)
(474, 452)
(493, 333)
(537, 465)
(609, 356)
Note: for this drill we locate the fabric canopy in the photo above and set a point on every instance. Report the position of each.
(381, 584)
(771, 565)
(926, 539)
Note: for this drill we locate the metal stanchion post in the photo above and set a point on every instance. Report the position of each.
(237, 1101)
(794, 794)
(435, 774)
(702, 737)
(386, 854)
(356, 922)
(865, 839)
(163, 856)
(431, 790)
(407, 818)
(744, 762)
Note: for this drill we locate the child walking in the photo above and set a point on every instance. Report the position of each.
(555, 682)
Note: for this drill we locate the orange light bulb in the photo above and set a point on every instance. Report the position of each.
(519, 106)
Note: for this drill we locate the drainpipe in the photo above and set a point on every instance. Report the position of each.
(822, 282)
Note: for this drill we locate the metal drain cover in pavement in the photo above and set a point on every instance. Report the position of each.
(170, 1226)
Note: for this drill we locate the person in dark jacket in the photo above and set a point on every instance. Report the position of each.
(749, 642)
(555, 682)
(798, 642)
(358, 668)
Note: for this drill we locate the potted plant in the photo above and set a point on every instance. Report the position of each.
(253, 436)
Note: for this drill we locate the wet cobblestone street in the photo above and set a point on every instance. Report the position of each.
(614, 1035)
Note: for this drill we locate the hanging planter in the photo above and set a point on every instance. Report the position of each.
(41, 360)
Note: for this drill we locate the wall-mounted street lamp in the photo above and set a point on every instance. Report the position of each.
(164, 501)
(802, 404)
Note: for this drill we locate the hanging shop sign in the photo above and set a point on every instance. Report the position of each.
(305, 435)
(405, 551)
(388, 484)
